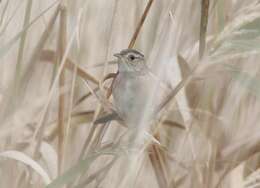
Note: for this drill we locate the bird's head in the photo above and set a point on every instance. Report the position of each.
(131, 60)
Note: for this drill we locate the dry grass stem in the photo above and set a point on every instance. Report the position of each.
(140, 24)
(61, 114)
(203, 26)
(196, 118)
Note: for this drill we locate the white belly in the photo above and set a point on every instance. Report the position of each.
(131, 96)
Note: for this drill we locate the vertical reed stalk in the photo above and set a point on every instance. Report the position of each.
(61, 112)
(203, 26)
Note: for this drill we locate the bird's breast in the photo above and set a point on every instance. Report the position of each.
(130, 93)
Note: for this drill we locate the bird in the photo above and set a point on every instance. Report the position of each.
(131, 89)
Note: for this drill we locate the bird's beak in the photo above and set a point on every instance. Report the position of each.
(118, 55)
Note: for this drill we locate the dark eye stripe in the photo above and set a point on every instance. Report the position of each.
(134, 56)
(132, 51)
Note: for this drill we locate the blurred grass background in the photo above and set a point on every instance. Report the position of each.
(54, 56)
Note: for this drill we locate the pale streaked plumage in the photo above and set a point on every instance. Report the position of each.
(131, 88)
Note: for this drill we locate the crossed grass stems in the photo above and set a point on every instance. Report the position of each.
(156, 154)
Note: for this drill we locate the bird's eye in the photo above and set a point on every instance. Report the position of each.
(131, 57)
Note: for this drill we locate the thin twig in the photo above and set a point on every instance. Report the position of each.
(101, 172)
(49, 55)
(23, 38)
(203, 26)
(61, 112)
(158, 166)
(140, 24)
(20, 56)
(39, 131)
(84, 97)
(76, 119)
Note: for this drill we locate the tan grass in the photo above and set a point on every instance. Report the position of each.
(57, 69)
